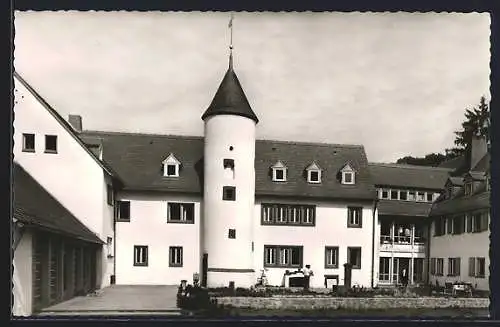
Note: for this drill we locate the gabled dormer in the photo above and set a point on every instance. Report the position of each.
(468, 185)
(313, 172)
(348, 175)
(279, 171)
(171, 166)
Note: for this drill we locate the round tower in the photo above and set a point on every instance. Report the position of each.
(229, 186)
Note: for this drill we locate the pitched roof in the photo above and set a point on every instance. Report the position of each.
(137, 160)
(230, 98)
(480, 200)
(62, 121)
(404, 208)
(409, 176)
(483, 165)
(34, 206)
(456, 181)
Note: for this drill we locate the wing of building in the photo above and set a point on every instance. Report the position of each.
(461, 220)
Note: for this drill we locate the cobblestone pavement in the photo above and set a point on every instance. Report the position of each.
(120, 299)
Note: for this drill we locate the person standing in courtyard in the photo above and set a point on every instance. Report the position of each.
(307, 276)
(404, 277)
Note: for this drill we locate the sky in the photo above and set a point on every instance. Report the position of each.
(397, 83)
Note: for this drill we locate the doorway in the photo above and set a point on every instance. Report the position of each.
(398, 265)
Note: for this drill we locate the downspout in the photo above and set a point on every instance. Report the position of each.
(373, 241)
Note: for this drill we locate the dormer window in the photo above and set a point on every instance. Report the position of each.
(279, 172)
(468, 188)
(313, 173)
(171, 166)
(348, 175)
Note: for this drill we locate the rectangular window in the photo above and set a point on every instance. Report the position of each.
(403, 195)
(109, 246)
(314, 176)
(354, 257)
(480, 222)
(411, 196)
(29, 142)
(472, 267)
(180, 212)
(284, 214)
(293, 215)
(229, 193)
(110, 195)
(347, 177)
(228, 164)
(171, 170)
(51, 143)
(332, 257)
(420, 196)
(439, 267)
(480, 267)
(453, 266)
(468, 222)
(458, 224)
(123, 213)
(354, 217)
(232, 233)
(279, 175)
(140, 255)
(429, 196)
(440, 226)
(175, 256)
(468, 188)
(385, 194)
(283, 256)
(449, 225)
(394, 195)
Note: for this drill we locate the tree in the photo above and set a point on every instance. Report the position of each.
(477, 122)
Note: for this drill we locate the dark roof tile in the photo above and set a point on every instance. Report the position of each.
(409, 176)
(34, 206)
(137, 159)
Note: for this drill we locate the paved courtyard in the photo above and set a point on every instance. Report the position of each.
(121, 299)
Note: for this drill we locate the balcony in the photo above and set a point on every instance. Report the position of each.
(402, 244)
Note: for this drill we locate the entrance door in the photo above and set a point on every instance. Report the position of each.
(398, 265)
(204, 269)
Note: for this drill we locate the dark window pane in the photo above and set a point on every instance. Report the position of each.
(171, 170)
(124, 210)
(314, 176)
(29, 142)
(279, 174)
(175, 211)
(229, 193)
(51, 143)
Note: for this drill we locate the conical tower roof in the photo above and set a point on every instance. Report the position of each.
(230, 98)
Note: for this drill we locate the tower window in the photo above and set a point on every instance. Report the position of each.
(232, 233)
(29, 142)
(229, 193)
(228, 164)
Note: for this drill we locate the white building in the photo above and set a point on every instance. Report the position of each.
(225, 206)
(48, 149)
(459, 246)
(405, 194)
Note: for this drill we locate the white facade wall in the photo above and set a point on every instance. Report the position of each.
(22, 276)
(330, 230)
(461, 246)
(71, 175)
(221, 133)
(148, 226)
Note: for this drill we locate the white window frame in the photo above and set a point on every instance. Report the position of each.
(141, 255)
(353, 176)
(420, 196)
(397, 194)
(308, 215)
(270, 256)
(310, 179)
(171, 161)
(331, 257)
(183, 212)
(354, 216)
(275, 177)
(175, 256)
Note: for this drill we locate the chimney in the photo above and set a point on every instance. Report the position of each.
(478, 149)
(76, 122)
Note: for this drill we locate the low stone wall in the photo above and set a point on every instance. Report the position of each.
(314, 303)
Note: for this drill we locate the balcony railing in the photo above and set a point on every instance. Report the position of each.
(402, 243)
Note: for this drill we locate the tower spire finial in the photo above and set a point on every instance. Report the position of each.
(230, 25)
